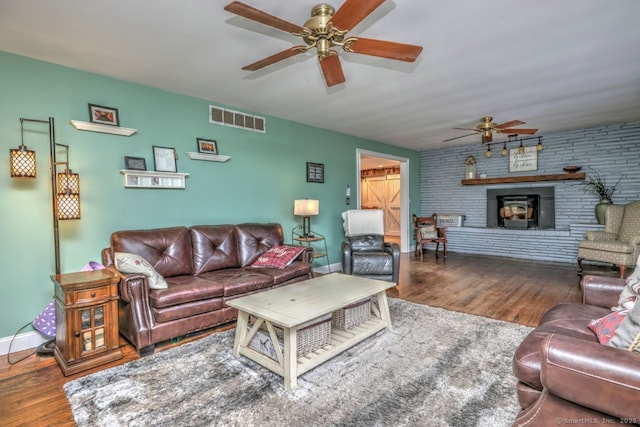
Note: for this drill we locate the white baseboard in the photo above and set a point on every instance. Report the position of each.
(21, 342)
(333, 268)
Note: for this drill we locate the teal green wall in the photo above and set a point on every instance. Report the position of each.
(265, 174)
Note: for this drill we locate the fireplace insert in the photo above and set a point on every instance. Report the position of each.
(521, 207)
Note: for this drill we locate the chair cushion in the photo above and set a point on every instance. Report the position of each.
(607, 245)
(367, 243)
(372, 263)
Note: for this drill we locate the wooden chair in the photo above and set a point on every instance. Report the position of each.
(426, 230)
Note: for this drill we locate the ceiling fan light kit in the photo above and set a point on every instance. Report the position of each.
(326, 29)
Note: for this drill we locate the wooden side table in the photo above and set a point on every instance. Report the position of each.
(86, 320)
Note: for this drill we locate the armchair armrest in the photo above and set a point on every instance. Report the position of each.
(599, 235)
(346, 258)
(593, 375)
(601, 291)
(394, 250)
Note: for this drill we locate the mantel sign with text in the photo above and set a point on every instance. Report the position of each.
(521, 162)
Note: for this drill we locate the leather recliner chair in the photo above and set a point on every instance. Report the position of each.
(364, 252)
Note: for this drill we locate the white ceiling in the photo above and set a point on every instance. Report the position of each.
(557, 65)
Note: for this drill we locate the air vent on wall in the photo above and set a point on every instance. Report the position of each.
(237, 119)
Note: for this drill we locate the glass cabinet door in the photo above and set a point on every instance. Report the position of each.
(92, 328)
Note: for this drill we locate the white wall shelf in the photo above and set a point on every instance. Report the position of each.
(97, 127)
(208, 157)
(150, 179)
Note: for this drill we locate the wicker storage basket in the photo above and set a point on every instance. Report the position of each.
(352, 315)
(310, 336)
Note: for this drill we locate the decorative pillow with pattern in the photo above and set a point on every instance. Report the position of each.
(279, 257)
(627, 334)
(605, 327)
(631, 288)
(131, 263)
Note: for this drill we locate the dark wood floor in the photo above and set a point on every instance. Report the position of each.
(517, 291)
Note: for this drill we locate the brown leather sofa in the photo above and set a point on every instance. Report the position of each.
(204, 266)
(565, 376)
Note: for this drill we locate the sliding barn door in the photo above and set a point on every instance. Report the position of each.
(383, 192)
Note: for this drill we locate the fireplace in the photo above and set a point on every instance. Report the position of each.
(521, 207)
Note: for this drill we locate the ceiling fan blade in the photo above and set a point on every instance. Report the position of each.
(487, 138)
(509, 124)
(466, 129)
(262, 17)
(458, 137)
(332, 70)
(384, 49)
(518, 131)
(292, 51)
(352, 12)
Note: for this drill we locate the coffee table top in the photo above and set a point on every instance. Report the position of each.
(300, 302)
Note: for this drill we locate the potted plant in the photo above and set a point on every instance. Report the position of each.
(595, 184)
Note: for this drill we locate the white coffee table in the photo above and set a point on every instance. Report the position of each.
(293, 305)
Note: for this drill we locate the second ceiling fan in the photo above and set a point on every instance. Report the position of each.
(487, 128)
(326, 29)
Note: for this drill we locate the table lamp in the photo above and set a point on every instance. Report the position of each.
(305, 208)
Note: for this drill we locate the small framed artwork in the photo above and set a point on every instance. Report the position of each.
(208, 146)
(164, 159)
(135, 163)
(103, 115)
(315, 172)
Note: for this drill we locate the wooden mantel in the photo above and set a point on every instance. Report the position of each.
(529, 178)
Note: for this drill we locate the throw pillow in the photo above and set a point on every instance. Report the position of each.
(428, 232)
(630, 290)
(279, 257)
(131, 263)
(627, 334)
(605, 327)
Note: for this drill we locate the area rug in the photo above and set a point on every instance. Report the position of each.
(436, 368)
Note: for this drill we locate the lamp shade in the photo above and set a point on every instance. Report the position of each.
(306, 207)
(22, 162)
(68, 182)
(45, 322)
(68, 206)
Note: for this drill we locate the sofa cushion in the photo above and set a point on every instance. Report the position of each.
(168, 250)
(184, 289)
(214, 247)
(237, 281)
(278, 257)
(295, 269)
(181, 311)
(255, 239)
(367, 243)
(132, 263)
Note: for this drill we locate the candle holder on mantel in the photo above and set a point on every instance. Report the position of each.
(470, 168)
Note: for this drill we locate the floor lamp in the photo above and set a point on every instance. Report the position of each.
(65, 202)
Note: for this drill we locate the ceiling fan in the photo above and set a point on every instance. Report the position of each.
(487, 127)
(326, 29)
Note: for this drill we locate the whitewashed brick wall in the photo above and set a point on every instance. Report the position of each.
(612, 150)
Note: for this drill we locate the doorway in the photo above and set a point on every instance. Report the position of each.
(383, 183)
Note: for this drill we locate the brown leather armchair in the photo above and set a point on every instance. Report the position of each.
(565, 375)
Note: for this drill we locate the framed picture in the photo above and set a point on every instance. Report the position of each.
(135, 163)
(164, 159)
(208, 146)
(521, 162)
(103, 115)
(315, 172)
